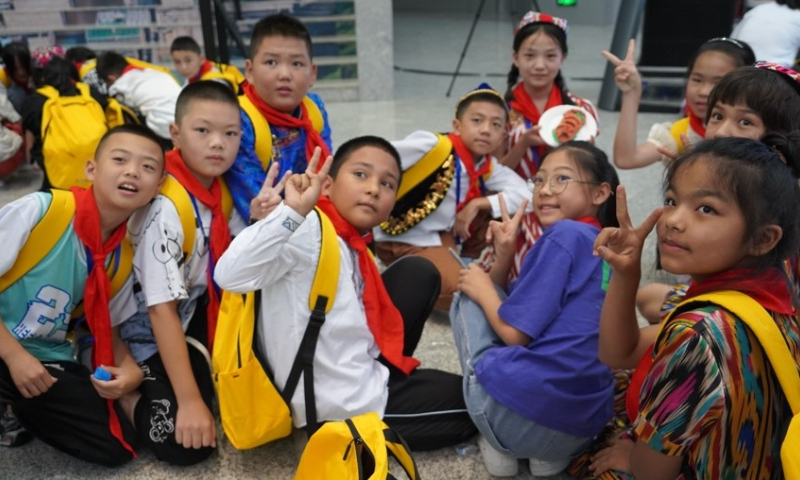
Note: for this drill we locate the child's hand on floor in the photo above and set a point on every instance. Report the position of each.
(626, 76)
(474, 282)
(616, 456)
(124, 379)
(270, 195)
(622, 247)
(30, 376)
(194, 425)
(303, 190)
(503, 234)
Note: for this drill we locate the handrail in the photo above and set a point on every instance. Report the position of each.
(217, 26)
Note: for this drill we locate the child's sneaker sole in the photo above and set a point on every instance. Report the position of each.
(497, 463)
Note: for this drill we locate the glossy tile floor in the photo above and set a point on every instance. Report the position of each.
(426, 42)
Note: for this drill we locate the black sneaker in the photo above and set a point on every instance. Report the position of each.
(12, 434)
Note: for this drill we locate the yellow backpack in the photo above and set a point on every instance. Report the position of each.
(232, 75)
(179, 196)
(48, 232)
(118, 114)
(252, 410)
(4, 78)
(357, 448)
(263, 147)
(783, 363)
(71, 129)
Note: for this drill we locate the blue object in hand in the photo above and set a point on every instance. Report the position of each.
(102, 374)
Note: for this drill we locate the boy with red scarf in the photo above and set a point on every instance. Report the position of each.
(54, 396)
(446, 178)
(281, 120)
(172, 332)
(193, 66)
(362, 361)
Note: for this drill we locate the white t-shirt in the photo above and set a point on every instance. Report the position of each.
(773, 31)
(279, 256)
(164, 275)
(426, 232)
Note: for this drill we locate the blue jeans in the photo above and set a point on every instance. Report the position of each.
(506, 430)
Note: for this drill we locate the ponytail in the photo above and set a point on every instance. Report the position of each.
(513, 76)
(787, 147)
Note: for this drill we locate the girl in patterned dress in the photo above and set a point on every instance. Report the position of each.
(710, 406)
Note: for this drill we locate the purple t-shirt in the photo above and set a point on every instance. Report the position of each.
(556, 380)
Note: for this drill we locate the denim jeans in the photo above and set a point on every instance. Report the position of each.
(506, 430)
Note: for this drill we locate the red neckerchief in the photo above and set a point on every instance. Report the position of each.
(383, 318)
(97, 291)
(220, 232)
(695, 122)
(206, 67)
(280, 119)
(768, 288)
(469, 163)
(593, 221)
(523, 103)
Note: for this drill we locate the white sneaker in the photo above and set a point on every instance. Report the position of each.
(497, 463)
(541, 468)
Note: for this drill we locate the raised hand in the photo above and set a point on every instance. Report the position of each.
(303, 190)
(270, 195)
(622, 247)
(626, 76)
(503, 234)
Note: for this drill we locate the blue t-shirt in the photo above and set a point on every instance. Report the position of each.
(246, 176)
(556, 380)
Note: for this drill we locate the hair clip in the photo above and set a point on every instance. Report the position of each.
(727, 39)
(537, 17)
(788, 72)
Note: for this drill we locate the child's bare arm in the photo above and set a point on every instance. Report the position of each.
(620, 345)
(194, 425)
(27, 372)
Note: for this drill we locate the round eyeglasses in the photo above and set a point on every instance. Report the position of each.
(558, 183)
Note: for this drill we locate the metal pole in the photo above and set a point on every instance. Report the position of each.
(466, 45)
(628, 20)
(207, 22)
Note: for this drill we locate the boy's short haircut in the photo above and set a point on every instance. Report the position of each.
(480, 96)
(132, 129)
(349, 147)
(80, 54)
(204, 90)
(185, 44)
(110, 63)
(279, 25)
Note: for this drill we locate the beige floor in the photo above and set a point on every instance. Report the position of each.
(422, 42)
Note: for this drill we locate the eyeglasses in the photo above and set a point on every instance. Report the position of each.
(558, 183)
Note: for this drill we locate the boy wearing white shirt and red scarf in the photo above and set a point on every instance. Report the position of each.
(446, 184)
(362, 361)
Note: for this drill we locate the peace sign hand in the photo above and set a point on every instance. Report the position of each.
(626, 75)
(270, 195)
(303, 190)
(503, 234)
(622, 247)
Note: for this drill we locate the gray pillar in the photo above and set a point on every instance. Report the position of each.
(374, 46)
(628, 20)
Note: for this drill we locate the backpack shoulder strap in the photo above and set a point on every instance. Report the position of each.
(398, 448)
(227, 199)
(761, 323)
(178, 195)
(43, 237)
(84, 90)
(315, 114)
(263, 136)
(4, 78)
(121, 265)
(326, 278)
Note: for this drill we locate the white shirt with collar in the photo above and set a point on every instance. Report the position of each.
(426, 233)
(278, 255)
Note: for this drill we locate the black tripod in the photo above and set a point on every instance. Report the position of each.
(469, 39)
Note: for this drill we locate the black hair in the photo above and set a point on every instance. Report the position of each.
(60, 74)
(203, 90)
(555, 33)
(793, 4)
(18, 51)
(349, 147)
(280, 25)
(185, 44)
(738, 50)
(133, 129)
(594, 162)
(110, 63)
(480, 97)
(761, 176)
(80, 54)
(772, 95)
